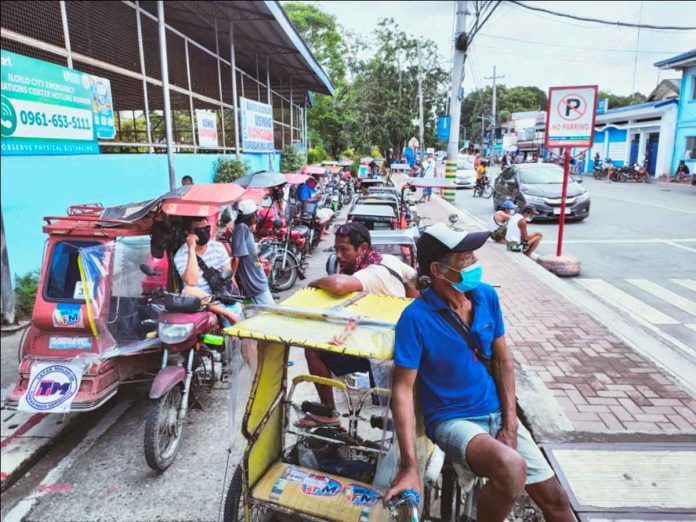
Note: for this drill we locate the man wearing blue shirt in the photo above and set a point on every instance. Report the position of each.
(452, 341)
(309, 197)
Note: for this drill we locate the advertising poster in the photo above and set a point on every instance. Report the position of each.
(50, 109)
(257, 126)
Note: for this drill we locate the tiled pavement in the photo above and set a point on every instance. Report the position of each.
(600, 383)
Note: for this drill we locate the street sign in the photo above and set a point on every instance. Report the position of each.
(570, 121)
(443, 128)
(570, 116)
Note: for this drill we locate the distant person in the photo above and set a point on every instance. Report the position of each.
(310, 198)
(498, 222)
(186, 180)
(518, 237)
(681, 172)
(428, 172)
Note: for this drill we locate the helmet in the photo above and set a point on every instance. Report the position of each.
(246, 207)
(508, 204)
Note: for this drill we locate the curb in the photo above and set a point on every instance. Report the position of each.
(641, 340)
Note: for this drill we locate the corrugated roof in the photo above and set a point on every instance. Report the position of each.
(679, 61)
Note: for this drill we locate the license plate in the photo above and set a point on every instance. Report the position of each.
(557, 211)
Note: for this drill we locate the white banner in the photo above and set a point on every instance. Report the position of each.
(207, 129)
(257, 126)
(52, 387)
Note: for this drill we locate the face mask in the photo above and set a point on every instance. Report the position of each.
(203, 235)
(528, 218)
(471, 277)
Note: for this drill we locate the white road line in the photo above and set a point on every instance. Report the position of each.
(626, 302)
(671, 297)
(689, 284)
(691, 325)
(644, 203)
(610, 241)
(24, 506)
(672, 243)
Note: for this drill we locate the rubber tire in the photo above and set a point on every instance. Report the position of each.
(233, 498)
(152, 422)
(487, 192)
(564, 266)
(293, 276)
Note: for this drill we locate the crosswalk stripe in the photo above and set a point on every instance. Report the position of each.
(625, 301)
(691, 325)
(689, 284)
(671, 297)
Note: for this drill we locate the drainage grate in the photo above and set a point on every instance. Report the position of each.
(622, 481)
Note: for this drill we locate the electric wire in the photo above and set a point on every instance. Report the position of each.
(605, 22)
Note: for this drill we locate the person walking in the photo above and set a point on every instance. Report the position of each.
(451, 340)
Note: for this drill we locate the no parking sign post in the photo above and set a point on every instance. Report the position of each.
(570, 121)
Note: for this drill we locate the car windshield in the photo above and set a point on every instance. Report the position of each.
(546, 174)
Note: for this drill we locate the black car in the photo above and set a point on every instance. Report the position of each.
(539, 185)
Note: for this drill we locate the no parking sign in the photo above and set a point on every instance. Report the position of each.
(571, 116)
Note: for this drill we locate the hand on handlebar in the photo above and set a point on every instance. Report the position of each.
(407, 478)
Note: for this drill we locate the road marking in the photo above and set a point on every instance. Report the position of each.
(643, 203)
(691, 325)
(609, 241)
(633, 306)
(689, 284)
(52, 478)
(671, 297)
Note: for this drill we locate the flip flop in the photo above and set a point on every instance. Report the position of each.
(312, 421)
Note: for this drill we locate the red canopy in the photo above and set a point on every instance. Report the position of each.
(335, 170)
(202, 200)
(296, 179)
(255, 194)
(314, 171)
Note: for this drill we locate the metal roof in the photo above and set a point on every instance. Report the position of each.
(261, 30)
(649, 105)
(680, 61)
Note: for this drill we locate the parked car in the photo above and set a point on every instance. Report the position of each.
(540, 185)
(466, 174)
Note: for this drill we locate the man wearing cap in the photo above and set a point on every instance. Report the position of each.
(245, 263)
(517, 236)
(452, 341)
(362, 269)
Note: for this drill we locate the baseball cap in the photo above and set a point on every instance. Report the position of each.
(246, 207)
(439, 240)
(508, 204)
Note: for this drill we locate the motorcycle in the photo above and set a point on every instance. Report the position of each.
(283, 263)
(192, 342)
(634, 172)
(483, 188)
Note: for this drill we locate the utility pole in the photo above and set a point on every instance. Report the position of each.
(421, 130)
(494, 119)
(458, 58)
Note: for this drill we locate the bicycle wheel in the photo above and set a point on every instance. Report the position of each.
(487, 192)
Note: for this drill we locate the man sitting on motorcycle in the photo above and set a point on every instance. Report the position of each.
(362, 269)
(481, 177)
(310, 199)
(212, 254)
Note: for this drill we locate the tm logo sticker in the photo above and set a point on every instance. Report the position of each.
(68, 316)
(363, 496)
(321, 486)
(51, 387)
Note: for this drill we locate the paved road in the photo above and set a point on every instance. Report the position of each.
(638, 252)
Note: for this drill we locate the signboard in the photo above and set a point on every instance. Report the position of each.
(443, 128)
(52, 387)
(50, 109)
(570, 116)
(207, 129)
(602, 105)
(257, 126)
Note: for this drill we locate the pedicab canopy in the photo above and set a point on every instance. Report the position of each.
(357, 324)
(201, 200)
(314, 170)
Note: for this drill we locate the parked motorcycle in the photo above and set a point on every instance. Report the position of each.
(192, 345)
(284, 264)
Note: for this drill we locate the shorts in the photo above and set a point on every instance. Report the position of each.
(453, 437)
(324, 215)
(499, 233)
(341, 364)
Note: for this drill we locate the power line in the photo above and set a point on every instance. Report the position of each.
(550, 44)
(606, 22)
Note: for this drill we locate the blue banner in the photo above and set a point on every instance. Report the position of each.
(443, 128)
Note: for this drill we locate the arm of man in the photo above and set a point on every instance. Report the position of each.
(338, 284)
(504, 378)
(405, 421)
(522, 223)
(192, 272)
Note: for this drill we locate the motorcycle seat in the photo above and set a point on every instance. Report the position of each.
(302, 229)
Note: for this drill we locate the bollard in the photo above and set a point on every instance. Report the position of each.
(450, 175)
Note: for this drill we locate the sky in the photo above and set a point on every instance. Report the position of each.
(560, 54)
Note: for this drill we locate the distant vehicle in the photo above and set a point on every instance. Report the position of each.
(440, 155)
(539, 185)
(466, 174)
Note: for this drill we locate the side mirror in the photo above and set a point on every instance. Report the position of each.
(148, 270)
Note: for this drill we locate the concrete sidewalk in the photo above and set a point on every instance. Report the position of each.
(577, 380)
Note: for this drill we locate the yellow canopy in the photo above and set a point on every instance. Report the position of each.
(356, 324)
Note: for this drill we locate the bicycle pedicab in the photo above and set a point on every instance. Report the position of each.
(323, 472)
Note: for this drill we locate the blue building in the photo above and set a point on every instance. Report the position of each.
(685, 136)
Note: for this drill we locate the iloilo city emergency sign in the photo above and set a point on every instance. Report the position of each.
(50, 109)
(571, 116)
(257, 126)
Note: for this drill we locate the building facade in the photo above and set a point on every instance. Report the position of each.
(685, 134)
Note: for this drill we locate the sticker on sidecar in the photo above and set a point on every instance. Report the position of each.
(362, 495)
(68, 315)
(52, 387)
(69, 343)
(321, 486)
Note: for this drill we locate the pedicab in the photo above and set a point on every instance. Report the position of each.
(374, 217)
(322, 472)
(409, 213)
(398, 243)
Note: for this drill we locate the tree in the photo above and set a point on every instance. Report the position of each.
(616, 101)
